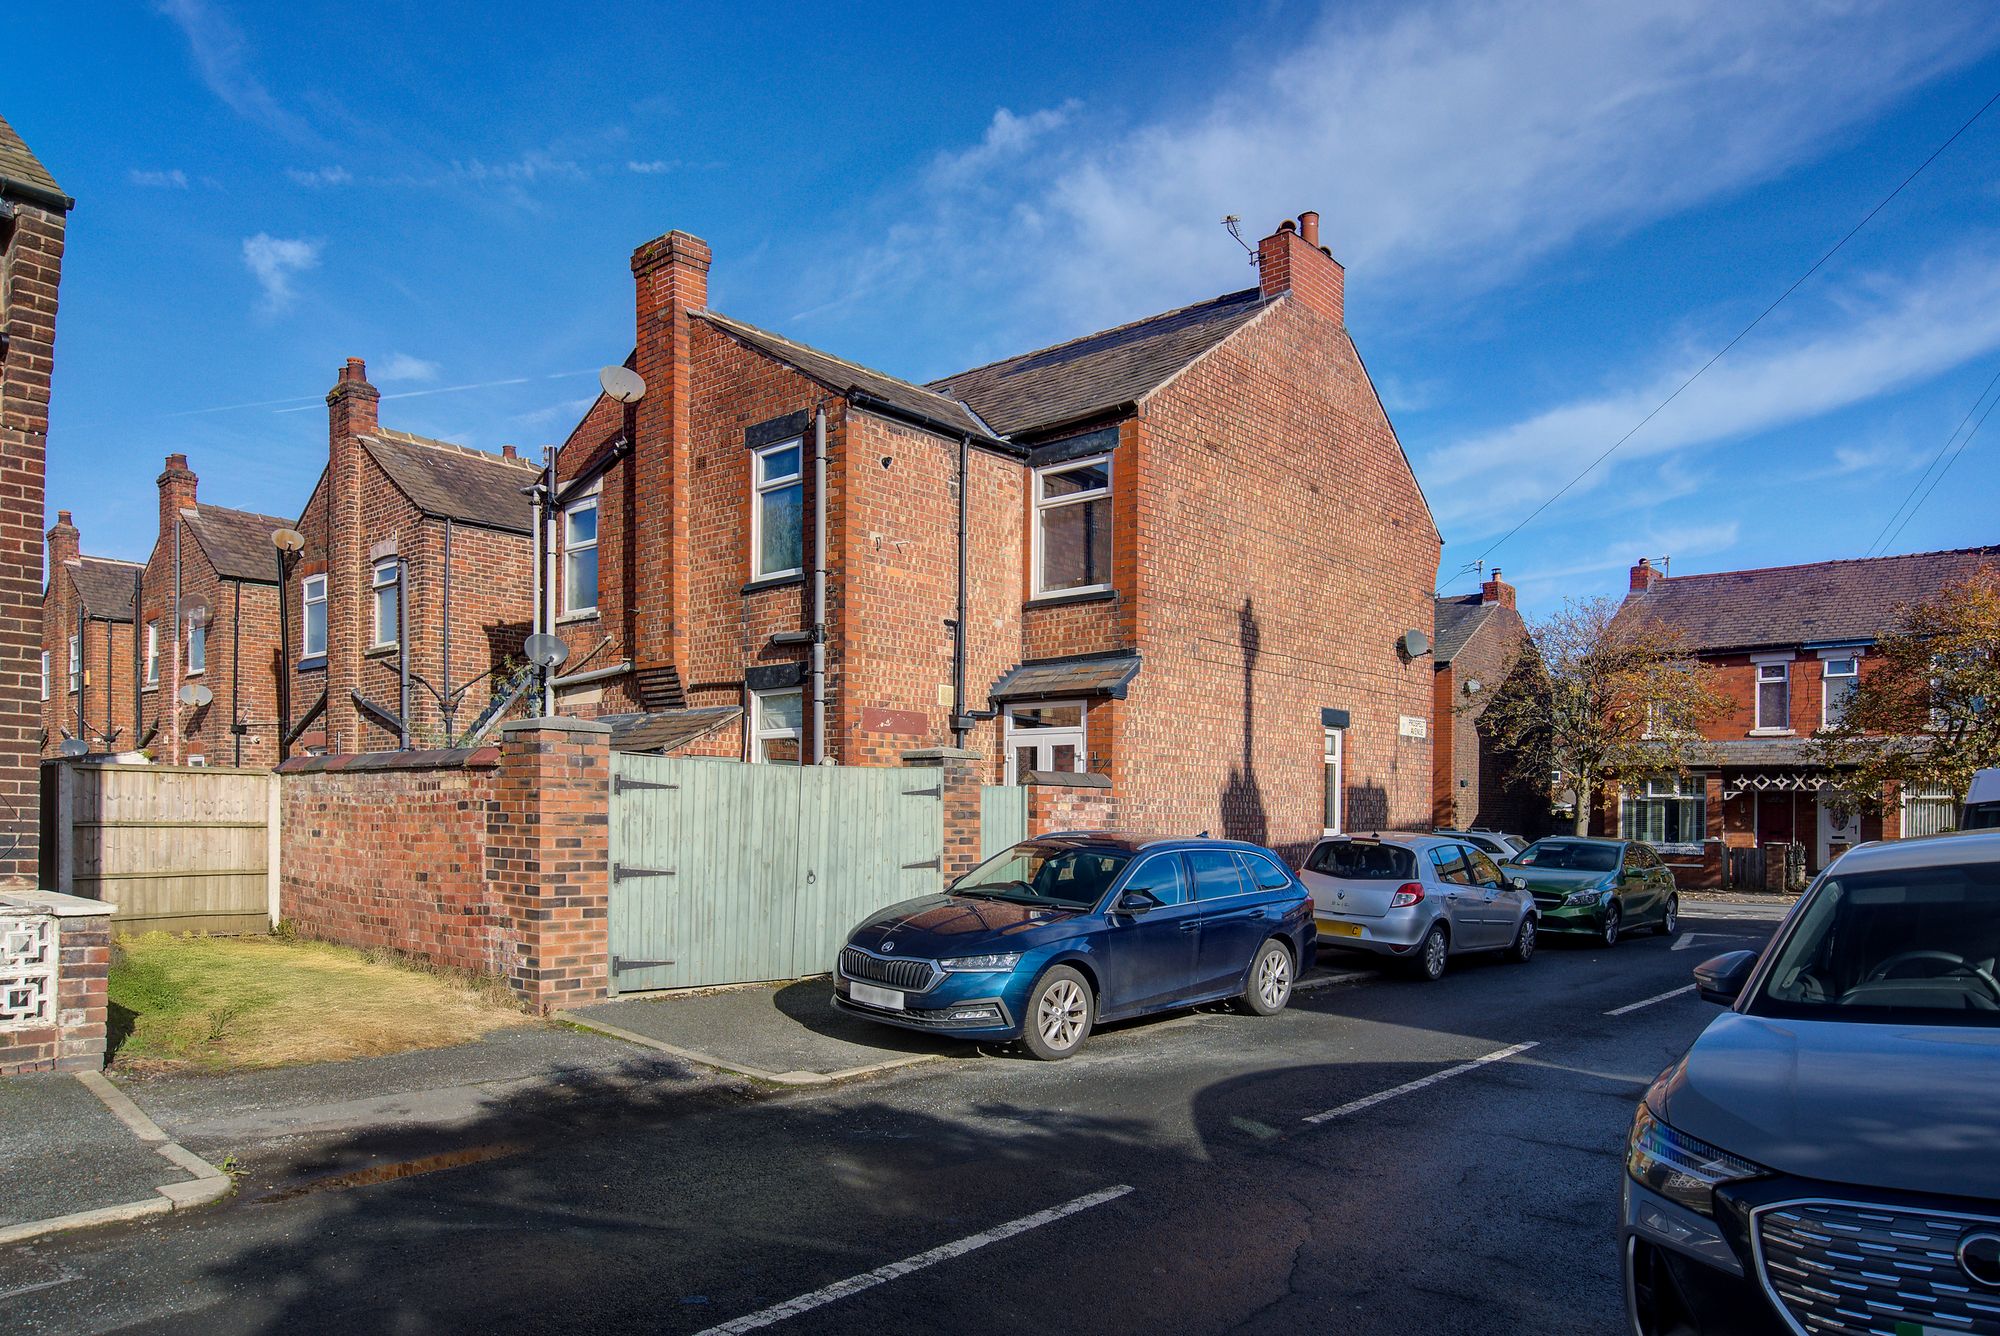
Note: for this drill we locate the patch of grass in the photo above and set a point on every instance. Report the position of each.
(220, 1003)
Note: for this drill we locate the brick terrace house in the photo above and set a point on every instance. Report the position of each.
(1788, 643)
(1191, 546)
(404, 528)
(89, 656)
(208, 622)
(33, 215)
(1479, 641)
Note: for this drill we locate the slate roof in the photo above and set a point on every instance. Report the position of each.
(843, 377)
(1824, 602)
(1085, 377)
(1458, 620)
(105, 586)
(236, 542)
(1081, 675)
(456, 482)
(665, 730)
(20, 167)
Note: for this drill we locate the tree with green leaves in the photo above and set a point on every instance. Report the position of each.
(1597, 699)
(1925, 712)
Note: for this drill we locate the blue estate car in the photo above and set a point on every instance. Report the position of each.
(1045, 939)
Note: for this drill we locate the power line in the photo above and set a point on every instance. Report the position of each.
(1946, 469)
(1886, 537)
(1867, 218)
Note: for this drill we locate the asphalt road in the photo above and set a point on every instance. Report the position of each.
(1351, 1166)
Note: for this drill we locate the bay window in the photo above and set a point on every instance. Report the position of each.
(1072, 527)
(1666, 810)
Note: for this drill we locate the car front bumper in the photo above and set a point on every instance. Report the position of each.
(953, 1006)
(1570, 920)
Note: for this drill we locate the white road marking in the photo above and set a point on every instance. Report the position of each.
(1421, 1083)
(1688, 941)
(1647, 1002)
(840, 1289)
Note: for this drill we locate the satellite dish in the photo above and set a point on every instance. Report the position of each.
(1414, 644)
(74, 747)
(545, 651)
(622, 383)
(194, 610)
(194, 693)
(288, 540)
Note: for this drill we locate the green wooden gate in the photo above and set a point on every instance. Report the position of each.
(723, 872)
(1003, 817)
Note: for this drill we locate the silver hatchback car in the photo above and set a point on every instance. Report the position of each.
(1416, 898)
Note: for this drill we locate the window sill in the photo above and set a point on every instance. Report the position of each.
(378, 651)
(1104, 595)
(150, 686)
(580, 615)
(774, 582)
(1772, 733)
(315, 663)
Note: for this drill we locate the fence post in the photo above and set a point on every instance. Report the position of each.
(958, 794)
(273, 851)
(66, 786)
(549, 855)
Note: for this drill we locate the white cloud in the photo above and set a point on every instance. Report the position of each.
(222, 58)
(1448, 145)
(534, 165)
(274, 261)
(402, 367)
(651, 168)
(171, 179)
(318, 177)
(1872, 336)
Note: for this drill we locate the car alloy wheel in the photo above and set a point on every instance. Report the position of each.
(1270, 980)
(1433, 955)
(1524, 942)
(1609, 932)
(1060, 1014)
(1670, 924)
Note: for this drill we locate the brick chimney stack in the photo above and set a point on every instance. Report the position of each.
(352, 410)
(353, 404)
(177, 484)
(670, 280)
(1292, 260)
(1644, 576)
(1497, 590)
(65, 543)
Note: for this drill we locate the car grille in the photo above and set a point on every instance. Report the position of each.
(910, 975)
(1836, 1267)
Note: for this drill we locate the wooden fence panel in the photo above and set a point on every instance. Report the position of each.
(1003, 817)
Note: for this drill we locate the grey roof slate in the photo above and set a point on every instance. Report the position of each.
(20, 166)
(105, 586)
(1084, 675)
(1458, 620)
(454, 481)
(1822, 602)
(236, 542)
(841, 376)
(665, 730)
(1085, 377)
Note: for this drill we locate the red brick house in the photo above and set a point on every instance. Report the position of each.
(33, 215)
(1185, 554)
(1478, 643)
(1787, 644)
(89, 658)
(409, 601)
(207, 631)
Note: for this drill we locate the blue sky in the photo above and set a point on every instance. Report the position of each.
(1550, 214)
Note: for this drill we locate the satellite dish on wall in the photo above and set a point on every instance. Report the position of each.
(545, 651)
(195, 610)
(74, 747)
(288, 540)
(194, 693)
(622, 383)
(1414, 644)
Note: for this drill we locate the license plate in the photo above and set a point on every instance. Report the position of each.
(1341, 929)
(870, 996)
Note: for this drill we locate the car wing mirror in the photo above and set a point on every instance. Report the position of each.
(1137, 901)
(1517, 883)
(1721, 980)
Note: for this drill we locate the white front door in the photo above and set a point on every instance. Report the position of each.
(1048, 735)
(1836, 835)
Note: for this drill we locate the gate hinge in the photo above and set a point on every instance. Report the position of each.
(935, 864)
(923, 793)
(623, 871)
(619, 964)
(619, 784)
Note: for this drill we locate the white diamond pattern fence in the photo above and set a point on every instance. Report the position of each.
(27, 971)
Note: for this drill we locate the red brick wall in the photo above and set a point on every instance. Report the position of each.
(32, 271)
(1071, 802)
(105, 699)
(1471, 784)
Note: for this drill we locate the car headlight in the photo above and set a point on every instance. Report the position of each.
(994, 964)
(1589, 896)
(1665, 1160)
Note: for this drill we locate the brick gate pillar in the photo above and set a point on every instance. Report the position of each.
(958, 791)
(55, 963)
(549, 857)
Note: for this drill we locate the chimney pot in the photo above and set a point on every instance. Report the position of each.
(1309, 227)
(1288, 226)
(509, 452)
(62, 517)
(356, 369)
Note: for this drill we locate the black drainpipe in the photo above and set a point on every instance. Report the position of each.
(960, 725)
(403, 649)
(235, 673)
(445, 702)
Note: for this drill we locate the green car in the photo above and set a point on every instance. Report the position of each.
(1595, 888)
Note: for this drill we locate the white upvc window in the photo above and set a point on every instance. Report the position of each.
(1774, 695)
(1665, 809)
(312, 614)
(45, 674)
(387, 590)
(777, 726)
(1071, 534)
(75, 664)
(777, 510)
(153, 653)
(197, 652)
(1332, 809)
(580, 556)
(1046, 735)
(1838, 678)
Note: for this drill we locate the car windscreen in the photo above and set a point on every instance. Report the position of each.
(1033, 873)
(1570, 856)
(1354, 860)
(1915, 946)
